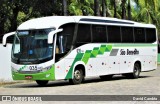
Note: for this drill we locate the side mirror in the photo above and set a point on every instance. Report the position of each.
(51, 34)
(6, 36)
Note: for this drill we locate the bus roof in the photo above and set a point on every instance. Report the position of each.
(57, 21)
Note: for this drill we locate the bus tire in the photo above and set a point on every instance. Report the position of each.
(106, 77)
(78, 77)
(42, 82)
(136, 72)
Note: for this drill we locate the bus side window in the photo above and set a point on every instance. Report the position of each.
(114, 34)
(150, 35)
(99, 33)
(67, 35)
(139, 35)
(127, 34)
(60, 46)
(84, 33)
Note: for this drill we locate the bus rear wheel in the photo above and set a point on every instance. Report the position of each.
(42, 82)
(136, 72)
(77, 77)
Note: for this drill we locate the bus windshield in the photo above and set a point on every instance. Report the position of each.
(31, 46)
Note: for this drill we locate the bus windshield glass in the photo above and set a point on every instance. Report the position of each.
(31, 46)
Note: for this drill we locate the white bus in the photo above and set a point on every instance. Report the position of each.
(75, 47)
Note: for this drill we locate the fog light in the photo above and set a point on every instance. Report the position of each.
(47, 75)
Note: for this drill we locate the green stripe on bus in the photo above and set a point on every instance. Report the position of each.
(94, 52)
(77, 58)
(135, 45)
(109, 48)
(53, 68)
(87, 55)
(23, 67)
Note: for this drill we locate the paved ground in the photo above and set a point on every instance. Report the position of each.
(147, 84)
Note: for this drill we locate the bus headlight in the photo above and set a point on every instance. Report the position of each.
(46, 68)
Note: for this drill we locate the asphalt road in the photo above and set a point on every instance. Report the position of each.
(147, 84)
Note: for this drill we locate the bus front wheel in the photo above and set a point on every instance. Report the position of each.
(77, 77)
(42, 82)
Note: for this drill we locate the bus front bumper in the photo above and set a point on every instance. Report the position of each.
(47, 75)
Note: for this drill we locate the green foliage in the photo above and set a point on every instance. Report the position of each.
(148, 11)
(21, 17)
(79, 7)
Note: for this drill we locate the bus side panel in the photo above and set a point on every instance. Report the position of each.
(104, 59)
(97, 66)
(149, 56)
(126, 64)
(150, 63)
(60, 72)
(113, 64)
(130, 53)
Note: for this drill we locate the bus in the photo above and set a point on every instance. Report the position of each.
(75, 47)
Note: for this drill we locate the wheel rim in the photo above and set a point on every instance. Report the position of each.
(77, 75)
(136, 71)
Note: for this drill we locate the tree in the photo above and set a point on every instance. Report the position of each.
(96, 8)
(115, 8)
(147, 11)
(64, 7)
(129, 10)
(81, 7)
(104, 8)
(123, 15)
(3, 15)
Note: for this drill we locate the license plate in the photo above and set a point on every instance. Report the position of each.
(28, 77)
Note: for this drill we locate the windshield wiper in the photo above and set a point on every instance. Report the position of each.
(37, 59)
(18, 59)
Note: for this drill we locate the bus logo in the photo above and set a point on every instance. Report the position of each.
(6, 98)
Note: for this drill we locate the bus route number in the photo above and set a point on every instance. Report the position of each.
(33, 68)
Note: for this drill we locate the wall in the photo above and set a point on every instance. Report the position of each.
(5, 63)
